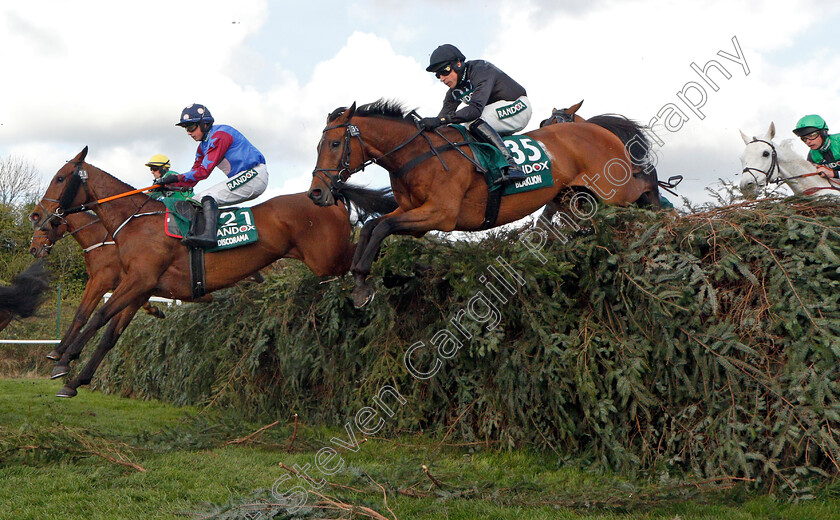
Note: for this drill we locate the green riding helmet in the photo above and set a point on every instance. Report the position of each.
(810, 124)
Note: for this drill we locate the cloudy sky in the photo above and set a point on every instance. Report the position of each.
(115, 75)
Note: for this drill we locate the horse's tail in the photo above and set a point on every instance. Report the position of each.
(26, 292)
(369, 202)
(625, 129)
(635, 139)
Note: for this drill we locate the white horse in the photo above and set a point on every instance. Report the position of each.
(764, 162)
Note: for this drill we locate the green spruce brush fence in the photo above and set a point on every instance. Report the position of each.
(704, 343)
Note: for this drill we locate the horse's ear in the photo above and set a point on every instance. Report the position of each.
(772, 131)
(351, 110)
(574, 108)
(746, 139)
(81, 157)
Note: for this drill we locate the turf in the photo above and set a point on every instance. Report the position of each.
(80, 458)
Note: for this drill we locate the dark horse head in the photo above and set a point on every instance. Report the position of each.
(563, 115)
(25, 294)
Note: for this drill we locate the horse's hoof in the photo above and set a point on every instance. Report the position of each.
(54, 355)
(59, 371)
(362, 296)
(67, 391)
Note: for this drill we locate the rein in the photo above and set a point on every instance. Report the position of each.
(774, 166)
(78, 177)
(343, 171)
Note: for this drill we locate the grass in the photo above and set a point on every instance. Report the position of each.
(72, 459)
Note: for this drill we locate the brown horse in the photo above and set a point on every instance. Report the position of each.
(102, 262)
(635, 142)
(436, 184)
(26, 292)
(289, 226)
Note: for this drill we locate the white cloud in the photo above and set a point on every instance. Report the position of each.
(115, 76)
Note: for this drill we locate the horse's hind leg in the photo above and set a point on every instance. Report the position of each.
(112, 333)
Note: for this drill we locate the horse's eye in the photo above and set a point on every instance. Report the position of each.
(59, 179)
(766, 154)
(335, 144)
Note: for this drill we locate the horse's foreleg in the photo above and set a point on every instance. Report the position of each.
(404, 223)
(151, 310)
(128, 293)
(5, 319)
(549, 211)
(112, 333)
(364, 238)
(94, 290)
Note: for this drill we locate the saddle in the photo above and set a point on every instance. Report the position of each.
(529, 155)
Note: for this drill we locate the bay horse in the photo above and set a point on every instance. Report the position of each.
(766, 162)
(102, 263)
(289, 226)
(22, 297)
(638, 145)
(436, 184)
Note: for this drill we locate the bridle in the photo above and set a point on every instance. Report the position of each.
(774, 165)
(79, 178)
(56, 218)
(336, 180)
(343, 172)
(558, 116)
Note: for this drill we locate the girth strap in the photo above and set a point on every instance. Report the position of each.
(197, 272)
(491, 212)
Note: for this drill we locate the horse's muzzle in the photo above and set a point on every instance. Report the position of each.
(321, 197)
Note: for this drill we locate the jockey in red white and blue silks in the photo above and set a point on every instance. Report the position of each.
(224, 147)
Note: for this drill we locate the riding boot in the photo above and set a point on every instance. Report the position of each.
(485, 133)
(207, 238)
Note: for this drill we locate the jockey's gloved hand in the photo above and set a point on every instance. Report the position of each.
(168, 179)
(430, 123)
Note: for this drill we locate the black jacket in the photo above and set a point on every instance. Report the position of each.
(481, 83)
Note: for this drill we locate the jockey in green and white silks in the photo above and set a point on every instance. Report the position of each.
(825, 148)
(159, 166)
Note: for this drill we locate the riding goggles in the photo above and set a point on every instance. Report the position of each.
(444, 71)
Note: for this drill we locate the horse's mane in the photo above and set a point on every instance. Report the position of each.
(385, 108)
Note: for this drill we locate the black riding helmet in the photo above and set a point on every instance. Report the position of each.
(446, 54)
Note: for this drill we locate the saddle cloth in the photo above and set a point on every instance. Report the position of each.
(528, 153)
(235, 226)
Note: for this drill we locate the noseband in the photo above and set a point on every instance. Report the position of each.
(337, 180)
(774, 165)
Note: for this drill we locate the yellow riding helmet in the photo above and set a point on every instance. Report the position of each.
(158, 160)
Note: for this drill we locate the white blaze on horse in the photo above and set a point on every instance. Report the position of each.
(767, 162)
